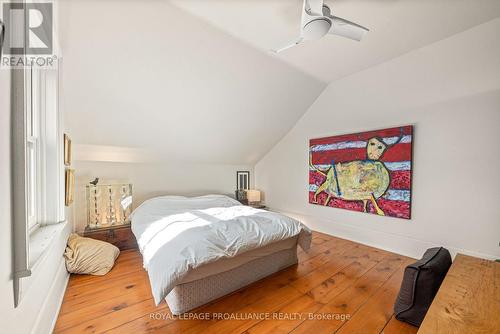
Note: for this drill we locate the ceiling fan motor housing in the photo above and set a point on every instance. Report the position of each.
(317, 28)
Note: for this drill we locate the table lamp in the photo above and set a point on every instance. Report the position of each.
(253, 196)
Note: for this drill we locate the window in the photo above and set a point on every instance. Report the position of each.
(38, 169)
(33, 176)
(44, 171)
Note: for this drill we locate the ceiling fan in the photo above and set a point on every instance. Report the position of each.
(317, 21)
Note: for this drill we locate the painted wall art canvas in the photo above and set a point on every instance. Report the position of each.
(367, 172)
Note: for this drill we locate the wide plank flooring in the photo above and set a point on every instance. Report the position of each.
(338, 286)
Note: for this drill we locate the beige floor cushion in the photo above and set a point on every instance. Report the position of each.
(89, 256)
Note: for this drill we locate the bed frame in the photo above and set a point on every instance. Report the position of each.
(187, 296)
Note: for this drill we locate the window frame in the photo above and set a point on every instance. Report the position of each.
(34, 155)
(44, 166)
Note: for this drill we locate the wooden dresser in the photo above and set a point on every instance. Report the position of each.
(468, 300)
(120, 236)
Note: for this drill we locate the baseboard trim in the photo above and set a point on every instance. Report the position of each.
(51, 304)
(387, 241)
(47, 318)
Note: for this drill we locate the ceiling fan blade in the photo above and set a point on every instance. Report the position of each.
(288, 46)
(314, 7)
(345, 28)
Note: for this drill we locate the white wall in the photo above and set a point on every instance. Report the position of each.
(185, 104)
(147, 75)
(43, 291)
(450, 91)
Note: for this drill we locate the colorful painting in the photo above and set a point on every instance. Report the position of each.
(366, 172)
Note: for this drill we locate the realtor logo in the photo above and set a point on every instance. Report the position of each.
(28, 28)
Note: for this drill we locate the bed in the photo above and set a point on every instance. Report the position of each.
(197, 249)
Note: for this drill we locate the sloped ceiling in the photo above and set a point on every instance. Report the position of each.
(193, 80)
(396, 27)
(147, 80)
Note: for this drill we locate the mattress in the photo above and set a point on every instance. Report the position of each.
(188, 296)
(227, 264)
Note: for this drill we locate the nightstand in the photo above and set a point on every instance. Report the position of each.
(255, 206)
(258, 206)
(121, 236)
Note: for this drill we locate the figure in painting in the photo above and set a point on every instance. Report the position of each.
(358, 180)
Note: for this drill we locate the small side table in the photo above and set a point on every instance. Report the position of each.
(258, 206)
(255, 206)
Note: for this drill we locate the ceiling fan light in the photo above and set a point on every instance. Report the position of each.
(316, 28)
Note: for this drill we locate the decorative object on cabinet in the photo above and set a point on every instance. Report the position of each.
(70, 185)
(368, 171)
(242, 185)
(108, 204)
(241, 196)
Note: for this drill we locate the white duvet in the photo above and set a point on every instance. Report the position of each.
(177, 234)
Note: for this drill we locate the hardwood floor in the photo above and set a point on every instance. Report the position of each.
(335, 280)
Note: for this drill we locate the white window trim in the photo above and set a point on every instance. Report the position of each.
(33, 145)
(39, 208)
(44, 135)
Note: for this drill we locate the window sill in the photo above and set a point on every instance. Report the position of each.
(41, 240)
(46, 247)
